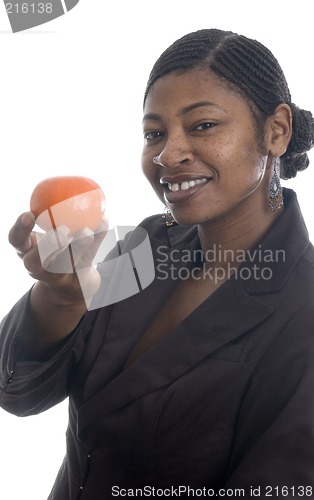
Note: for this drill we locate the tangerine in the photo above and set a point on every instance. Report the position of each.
(74, 201)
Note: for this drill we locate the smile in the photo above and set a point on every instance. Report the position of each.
(183, 186)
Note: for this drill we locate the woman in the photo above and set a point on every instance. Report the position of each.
(202, 383)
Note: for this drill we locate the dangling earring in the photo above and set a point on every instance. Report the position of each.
(275, 197)
(167, 215)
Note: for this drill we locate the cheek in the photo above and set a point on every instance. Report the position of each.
(147, 165)
(150, 170)
(240, 161)
(255, 166)
(239, 174)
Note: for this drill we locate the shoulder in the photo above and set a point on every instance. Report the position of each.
(302, 279)
(308, 257)
(154, 225)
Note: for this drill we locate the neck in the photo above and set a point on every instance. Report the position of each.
(232, 234)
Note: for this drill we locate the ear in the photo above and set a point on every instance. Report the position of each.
(279, 130)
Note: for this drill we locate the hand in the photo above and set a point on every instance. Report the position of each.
(61, 261)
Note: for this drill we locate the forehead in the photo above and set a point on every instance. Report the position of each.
(178, 89)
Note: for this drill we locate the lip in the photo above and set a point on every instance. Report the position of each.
(183, 195)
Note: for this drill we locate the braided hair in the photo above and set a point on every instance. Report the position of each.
(250, 68)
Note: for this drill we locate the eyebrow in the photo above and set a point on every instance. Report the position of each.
(185, 110)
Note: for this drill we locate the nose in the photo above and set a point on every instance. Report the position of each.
(173, 155)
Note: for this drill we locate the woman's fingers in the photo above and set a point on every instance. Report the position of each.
(85, 245)
(57, 258)
(53, 250)
(20, 235)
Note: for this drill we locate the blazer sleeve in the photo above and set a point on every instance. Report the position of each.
(274, 439)
(28, 388)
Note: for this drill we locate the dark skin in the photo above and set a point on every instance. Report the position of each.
(57, 302)
(187, 139)
(184, 140)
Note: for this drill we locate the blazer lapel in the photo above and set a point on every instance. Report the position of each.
(229, 312)
(222, 318)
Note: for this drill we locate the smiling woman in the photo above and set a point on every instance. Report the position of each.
(203, 380)
(202, 142)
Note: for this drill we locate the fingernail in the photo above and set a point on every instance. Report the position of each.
(63, 231)
(59, 236)
(103, 226)
(86, 232)
(27, 219)
(64, 234)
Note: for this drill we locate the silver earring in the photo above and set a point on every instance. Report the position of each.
(275, 196)
(167, 215)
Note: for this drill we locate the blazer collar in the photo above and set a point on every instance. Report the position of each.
(288, 239)
(228, 313)
(273, 258)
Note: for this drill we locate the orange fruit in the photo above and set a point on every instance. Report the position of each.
(74, 201)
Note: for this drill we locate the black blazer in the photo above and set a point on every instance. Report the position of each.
(226, 401)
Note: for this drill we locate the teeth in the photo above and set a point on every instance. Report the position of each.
(185, 185)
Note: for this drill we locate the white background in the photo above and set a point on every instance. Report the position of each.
(71, 103)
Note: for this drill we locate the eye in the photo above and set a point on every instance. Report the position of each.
(205, 126)
(151, 135)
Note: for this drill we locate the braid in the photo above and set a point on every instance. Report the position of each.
(302, 140)
(250, 68)
(188, 52)
(254, 69)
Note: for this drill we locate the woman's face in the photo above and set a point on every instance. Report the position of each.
(201, 153)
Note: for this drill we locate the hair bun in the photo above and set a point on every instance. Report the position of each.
(302, 140)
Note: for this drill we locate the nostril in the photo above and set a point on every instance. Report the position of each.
(167, 159)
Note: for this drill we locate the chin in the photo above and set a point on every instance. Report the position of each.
(187, 220)
(198, 219)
